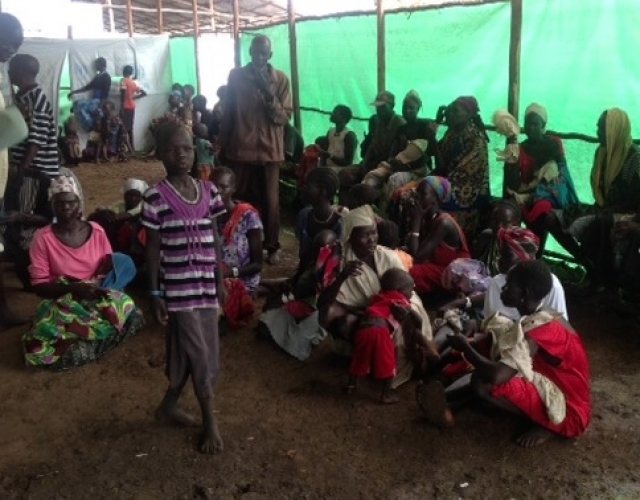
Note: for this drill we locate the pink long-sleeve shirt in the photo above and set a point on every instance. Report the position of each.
(51, 259)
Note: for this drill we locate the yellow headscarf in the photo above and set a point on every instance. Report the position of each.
(610, 158)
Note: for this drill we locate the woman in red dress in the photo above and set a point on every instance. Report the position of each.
(557, 354)
(435, 239)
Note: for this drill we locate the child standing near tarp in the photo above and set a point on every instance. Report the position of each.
(129, 92)
(186, 289)
(39, 151)
(205, 158)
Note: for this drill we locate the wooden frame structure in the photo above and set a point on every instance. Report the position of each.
(193, 17)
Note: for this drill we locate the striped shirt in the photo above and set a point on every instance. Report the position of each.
(187, 252)
(42, 131)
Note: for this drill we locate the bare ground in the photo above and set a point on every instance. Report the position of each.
(288, 430)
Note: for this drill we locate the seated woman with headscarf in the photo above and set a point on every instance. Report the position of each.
(615, 183)
(514, 245)
(351, 271)
(539, 179)
(535, 368)
(84, 313)
(122, 221)
(464, 161)
(411, 153)
(435, 239)
(240, 228)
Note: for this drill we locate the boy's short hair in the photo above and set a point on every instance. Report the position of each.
(165, 132)
(345, 111)
(101, 63)
(127, 70)
(533, 275)
(395, 279)
(25, 64)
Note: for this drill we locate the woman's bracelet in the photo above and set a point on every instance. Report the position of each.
(235, 272)
(415, 235)
(156, 293)
(467, 303)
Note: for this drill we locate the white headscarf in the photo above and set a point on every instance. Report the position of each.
(538, 110)
(135, 185)
(363, 216)
(64, 184)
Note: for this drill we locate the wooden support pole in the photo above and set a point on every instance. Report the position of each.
(196, 36)
(293, 55)
(515, 42)
(511, 173)
(112, 21)
(160, 18)
(212, 15)
(129, 19)
(382, 55)
(236, 33)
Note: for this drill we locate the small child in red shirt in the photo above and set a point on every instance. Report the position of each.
(373, 346)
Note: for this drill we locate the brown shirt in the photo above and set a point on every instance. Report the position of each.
(382, 142)
(252, 129)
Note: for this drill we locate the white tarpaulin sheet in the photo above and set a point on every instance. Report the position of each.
(151, 61)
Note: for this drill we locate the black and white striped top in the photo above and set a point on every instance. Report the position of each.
(42, 131)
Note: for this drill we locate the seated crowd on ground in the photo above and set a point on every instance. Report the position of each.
(382, 241)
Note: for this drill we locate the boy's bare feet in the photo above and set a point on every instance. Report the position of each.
(535, 436)
(210, 441)
(432, 400)
(171, 414)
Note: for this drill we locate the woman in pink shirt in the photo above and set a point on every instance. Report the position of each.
(84, 314)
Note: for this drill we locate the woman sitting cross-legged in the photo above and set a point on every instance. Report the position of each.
(535, 368)
(84, 314)
(435, 239)
(540, 178)
(515, 245)
(240, 228)
(615, 182)
(122, 222)
(320, 190)
(351, 272)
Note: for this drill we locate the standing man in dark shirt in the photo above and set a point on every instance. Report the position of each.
(257, 108)
(89, 112)
(101, 83)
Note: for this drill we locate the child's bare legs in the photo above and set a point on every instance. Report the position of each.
(168, 410)
(351, 385)
(388, 397)
(210, 441)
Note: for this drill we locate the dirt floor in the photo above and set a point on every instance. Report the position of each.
(289, 432)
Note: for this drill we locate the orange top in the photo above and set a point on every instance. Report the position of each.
(130, 87)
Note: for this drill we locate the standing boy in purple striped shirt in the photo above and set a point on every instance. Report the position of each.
(183, 250)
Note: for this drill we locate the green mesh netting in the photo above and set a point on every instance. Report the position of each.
(183, 61)
(577, 60)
